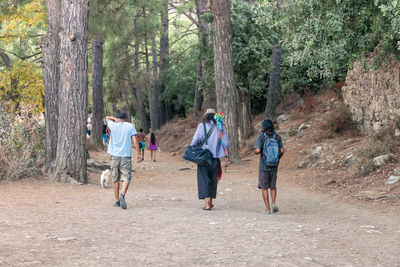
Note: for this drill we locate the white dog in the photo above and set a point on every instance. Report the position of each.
(105, 178)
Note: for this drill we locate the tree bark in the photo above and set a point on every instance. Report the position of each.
(148, 86)
(208, 94)
(156, 94)
(223, 69)
(272, 101)
(70, 165)
(139, 94)
(164, 61)
(246, 126)
(97, 87)
(50, 44)
(203, 42)
(6, 59)
(198, 94)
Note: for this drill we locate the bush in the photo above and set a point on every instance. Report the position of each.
(382, 143)
(339, 124)
(309, 102)
(22, 147)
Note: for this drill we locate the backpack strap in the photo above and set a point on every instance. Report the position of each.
(207, 135)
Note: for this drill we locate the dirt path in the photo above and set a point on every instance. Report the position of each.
(49, 224)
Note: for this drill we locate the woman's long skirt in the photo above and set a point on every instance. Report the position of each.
(207, 179)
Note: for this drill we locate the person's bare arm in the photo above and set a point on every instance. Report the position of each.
(227, 162)
(111, 118)
(281, 153)
(135, 142)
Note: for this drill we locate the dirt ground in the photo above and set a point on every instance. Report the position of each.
(48, 224)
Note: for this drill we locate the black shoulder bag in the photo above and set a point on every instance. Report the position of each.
(197, 154)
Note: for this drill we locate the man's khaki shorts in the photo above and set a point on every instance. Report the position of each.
(121, 169)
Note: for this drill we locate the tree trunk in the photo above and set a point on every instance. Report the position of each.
(203, 43)
(164, 61)
(114, 108)
(50, 44)
(148, 86)
(224, 80)
(156, 94)
(198, 95)
(139, 94)
(70, 165)
(6, 59)
(246, 126)
(208, 94)
(97, 86)
(272, 101)
(127, 105)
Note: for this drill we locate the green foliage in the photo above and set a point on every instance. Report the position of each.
(391, 37)
(324, 37)
(181, 81)
(251, 48)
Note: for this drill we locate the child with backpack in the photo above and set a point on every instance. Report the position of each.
(269, 146)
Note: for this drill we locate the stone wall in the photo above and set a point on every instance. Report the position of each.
(373, 96)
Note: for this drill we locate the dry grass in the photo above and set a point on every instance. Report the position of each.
(339, 124)
(22, 150)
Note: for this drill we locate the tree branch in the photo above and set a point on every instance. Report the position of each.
(189, 16)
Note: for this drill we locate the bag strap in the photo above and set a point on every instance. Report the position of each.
(207, 135)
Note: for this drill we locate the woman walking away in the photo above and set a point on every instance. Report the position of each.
(207, 176)
(153, 146)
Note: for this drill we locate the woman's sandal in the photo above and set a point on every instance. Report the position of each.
(204, 208)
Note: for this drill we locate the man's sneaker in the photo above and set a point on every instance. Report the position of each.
(267, 212)
(122, 201)
(275, 209)
(116, 204)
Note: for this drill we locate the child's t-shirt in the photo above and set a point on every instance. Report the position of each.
(260, 145)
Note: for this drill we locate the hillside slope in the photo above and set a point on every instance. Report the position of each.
(324, 151)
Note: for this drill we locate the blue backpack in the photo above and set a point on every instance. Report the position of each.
(270, 153)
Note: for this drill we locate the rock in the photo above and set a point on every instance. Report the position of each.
(313, 158)
(303, 127)
(302, 152)
(317, 150)
(329, 158)
(173, 153)
(282, 117)
(302, 165)
(397, 132)
(396, 172)
(382, 160)
(300, 134)
(97, 164)
(392, 180)
(292, 132)
(350, 160)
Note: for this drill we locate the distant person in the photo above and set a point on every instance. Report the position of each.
(207, 176)
(142, 138)
(120, 148)
(106, 133)
(269, 146)
(89, 128)
(153, 146)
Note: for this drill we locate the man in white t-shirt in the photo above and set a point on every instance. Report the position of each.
(120, 149)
